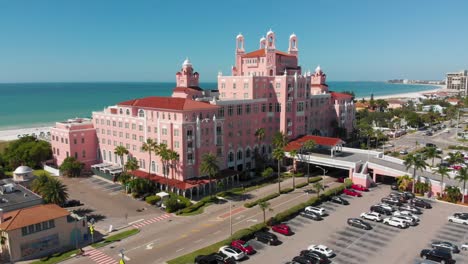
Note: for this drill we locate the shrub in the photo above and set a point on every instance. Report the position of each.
(300, 185)
(198, 205)
(286, 190)
(264, 199)
(315, 179)
(153, 199)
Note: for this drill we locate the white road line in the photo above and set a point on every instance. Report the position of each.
(199, 240)
(217, 232)
(180, 249)
(131, 223)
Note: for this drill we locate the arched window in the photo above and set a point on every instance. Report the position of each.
(239, 154)
(153, 166)
(247, 153)
(141, 113)
(263, 149)
(128, 112)
(231, 157)
(121, 111)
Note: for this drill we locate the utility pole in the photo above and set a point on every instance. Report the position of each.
(458, 121)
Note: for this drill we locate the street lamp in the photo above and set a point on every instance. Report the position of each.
(324, 170)
(230, 213)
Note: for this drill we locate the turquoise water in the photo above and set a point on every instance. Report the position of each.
(33, 104)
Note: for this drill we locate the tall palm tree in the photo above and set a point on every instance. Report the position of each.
(163, 153)
(39, 183)
(264, 206)
(54, 191)
(308, 146)
(318, 186)
(260, 134)
(209, 166)
(455, 158)
(173, 158)
(431, 153)
(462, 177)
(121, 151)
(403, 182)
(442, 171)
(293, 154)
(417, 163)
(132, 164)
(280, 140)
(149, 146)
(278, 154)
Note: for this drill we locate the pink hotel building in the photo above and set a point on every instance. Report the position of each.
(266, 89)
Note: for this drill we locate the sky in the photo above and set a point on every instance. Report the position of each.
(112, 40)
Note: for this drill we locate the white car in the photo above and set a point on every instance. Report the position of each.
(393, 221)
(236, 253)
(322, 249)
(408, 219)
(374, 216)
(407, 213)
(458, 219)
(464, 246)
(315, 210)
(386, 206)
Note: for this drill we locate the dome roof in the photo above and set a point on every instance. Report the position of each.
(262, 38)
(292, 35)
(23, 170)
(270, 32)
(239, 36)
(318, 69)
(187, 62)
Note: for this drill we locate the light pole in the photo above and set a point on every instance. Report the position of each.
(230, 213)
(324, 170)
(122, 261)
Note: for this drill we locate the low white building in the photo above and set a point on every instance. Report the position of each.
(436, 108)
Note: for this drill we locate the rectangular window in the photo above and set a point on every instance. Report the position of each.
(114, 123)
(234, 95)
(127, 135)
(82, 140)
(30, 229)
(120, 124)
(263, 108)
(246, 95)
(176, 132)
(24, 231)
(221, 112)
(270, 107)
(114, 133)
(134, 137)
(278, 85)
(126, 125)
(223, 85)
(133, 126)
(66, 141)
(230, 110)
(38, 227)
(51, 223)
(140, 127)
(234, 86)
(247, 109)
(164, 131)
(149, 129)
(255, 108)
(176, 144)
(45, 225)
(164, 142)
(239, 110)
(246, 85)
(108, 122)
(74, 141)
(140, 138)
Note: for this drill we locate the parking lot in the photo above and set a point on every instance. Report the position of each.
(382, 244)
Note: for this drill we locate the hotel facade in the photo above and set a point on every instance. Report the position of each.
(266, 89)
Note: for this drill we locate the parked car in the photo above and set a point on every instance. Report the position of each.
(399, 196)
(431, 145)
(412, 209)
(282, 229)
(303, 260)
(392, 221)
(464, 246)
(317, 256)
(386, 206)
(72, 203)
(229, 251)
(352, 192)
(322, 249)
(359, 187)
(458, 219)
(441, 256)
(339, 200)
(391, 201)
(266, 237)
(394, 186)
(407, 213)
(408, 219)
(244, 246)
(374, 216)
(380, 210)
(215, 258)
(403, 152)
(461, 215)
(311, 215)
(317, 210)
(445, 245)
(420, 203)
(356, 222)
(408, 195)
(428, 133)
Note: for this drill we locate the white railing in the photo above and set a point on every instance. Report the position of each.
(384, 168)
(361, 151)
(324, 161)
(393, 159)
(53, 171)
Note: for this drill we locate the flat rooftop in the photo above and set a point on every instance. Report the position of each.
(14, 196)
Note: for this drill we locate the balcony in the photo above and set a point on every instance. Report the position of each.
(189, 138)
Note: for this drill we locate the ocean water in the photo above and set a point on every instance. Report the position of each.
(35, 104)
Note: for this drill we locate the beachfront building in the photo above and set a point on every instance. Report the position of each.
(267, 90)
(38, 231)
(457, 81)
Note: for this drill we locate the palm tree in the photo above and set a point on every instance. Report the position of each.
(278, 154)
(462, 177)
(453, 194)
(132, 164)
(265, 206)
(308, 146)
(149, 146)
(280, 140)
(403, 182)
(54, 191)
(431, 153)
(121, 151)
(163, 152)
(260, 134)
(318, 186)
(209, 166)
(293, 154)
(455, 158)
(173, 158)
(417, 163)
(442, 171)
(39, 183)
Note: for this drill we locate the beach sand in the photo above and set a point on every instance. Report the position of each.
(12, 134)
(407, 95)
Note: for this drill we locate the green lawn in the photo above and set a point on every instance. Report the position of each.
(116, 237)
(56, 258)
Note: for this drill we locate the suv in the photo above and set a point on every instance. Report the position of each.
(311, 215)
(396, 222)
(215, 258)
(356, 222)
(266, 237)
(408, 219)
(374, 216)
(458, 219)
(315, 210)
(421, 203)
(391, 201)
(314, 255)
(412, 209)
(379, 209)
(445, 245)
(442, 256)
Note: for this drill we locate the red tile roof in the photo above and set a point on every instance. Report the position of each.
(322, 141)
(170, 103)
(341, 95)
(261, 53)
(31, 215)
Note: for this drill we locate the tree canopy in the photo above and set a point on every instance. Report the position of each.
(28, 151)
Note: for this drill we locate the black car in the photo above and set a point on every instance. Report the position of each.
(391, 201)
(444, 245)
(421, 203)
(215, 258)
(461, 215)
(266, 237)
(311, 215)
(380, 210)
(394, 186)
(359, 223)
(339, 200)
(72, 203)
(431, 145)
(304, 260)
(441, 256)
(412, 209)
(321, 258)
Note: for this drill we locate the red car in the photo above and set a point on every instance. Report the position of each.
(282, 229)
(359, 187)
(243, 246)
(352, 192)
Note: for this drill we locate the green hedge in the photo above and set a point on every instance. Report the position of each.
(315, 179)
(300, 185)
(264, 199)
(286, 190)
(153, 199)
(198, 205)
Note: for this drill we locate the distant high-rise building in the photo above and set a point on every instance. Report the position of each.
(458, 81)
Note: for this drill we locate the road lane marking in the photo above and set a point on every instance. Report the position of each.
(131, 223)
(180, 249)
(198, 241)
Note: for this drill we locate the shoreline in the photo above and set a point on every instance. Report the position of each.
(12, 134)
(415, 94)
